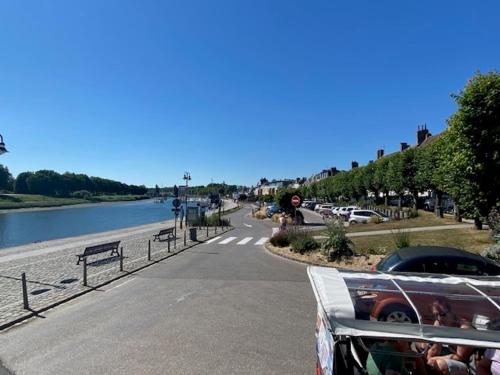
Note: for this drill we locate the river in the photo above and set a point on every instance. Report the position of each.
(19, 228)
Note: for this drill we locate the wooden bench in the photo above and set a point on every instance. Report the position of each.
(169, 232)
(97, 249)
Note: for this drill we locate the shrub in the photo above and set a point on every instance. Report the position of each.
(280, 239)
(304, 244)
(401, 238)
(260, 215)
(492, 252)
(301, 241)
(82, 194)
(494, 222)
(337, 245)
(412, 214)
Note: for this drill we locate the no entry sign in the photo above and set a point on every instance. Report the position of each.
(295, 201)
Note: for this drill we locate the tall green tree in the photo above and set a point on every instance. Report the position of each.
(473, 146)
(6, 180)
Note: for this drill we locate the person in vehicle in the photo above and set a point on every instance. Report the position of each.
(490, 363)
(450, 360)
(382, 359)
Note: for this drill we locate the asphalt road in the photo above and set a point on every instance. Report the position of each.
(229, 308)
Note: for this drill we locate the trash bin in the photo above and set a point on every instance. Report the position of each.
(192, 234)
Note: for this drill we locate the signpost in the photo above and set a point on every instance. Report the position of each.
(295, 204)
(176, 202)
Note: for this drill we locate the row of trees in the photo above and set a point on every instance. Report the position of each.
(463, 161)
(54, 184)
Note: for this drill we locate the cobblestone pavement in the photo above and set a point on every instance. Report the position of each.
(53, 276)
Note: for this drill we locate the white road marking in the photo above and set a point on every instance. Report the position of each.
(262, 241)
(119, 285)
(213, 239)
(245, 241)
(227, 240)
(247, 225)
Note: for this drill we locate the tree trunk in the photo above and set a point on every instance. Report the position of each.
(478, 223)
(437, 204)
(415, 200)
(399, 202)
(456, 212)
(386, 198)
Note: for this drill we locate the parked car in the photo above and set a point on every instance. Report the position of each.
(363, 216)
(311, 205)
(272, 209)
(436, 259)
(345, 211)
(324, 206)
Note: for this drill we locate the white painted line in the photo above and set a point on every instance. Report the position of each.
(213, 239)
(119, 285)
(262, 241)
(227, 240)
(245, 241)
(247, 225)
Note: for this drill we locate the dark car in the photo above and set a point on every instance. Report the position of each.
(436, 259)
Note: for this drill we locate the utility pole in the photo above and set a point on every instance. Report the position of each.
(187, 177)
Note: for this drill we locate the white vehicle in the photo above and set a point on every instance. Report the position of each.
(345, 211)
(335, 210)
(363, 216)
(322, 207)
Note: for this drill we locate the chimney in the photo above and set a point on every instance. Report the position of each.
(380, 153)
(422, 134)
(354, 164)
(404, 146)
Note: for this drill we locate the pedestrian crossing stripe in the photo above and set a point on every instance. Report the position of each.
(213, 239)
(227, 240)
(245, 241)
(262, 241)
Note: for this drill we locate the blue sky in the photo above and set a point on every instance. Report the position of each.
(141, 91)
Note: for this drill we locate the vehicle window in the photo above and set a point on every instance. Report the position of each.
(389, 262)
(467, 269)
(436, 266)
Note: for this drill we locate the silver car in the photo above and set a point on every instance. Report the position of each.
(363, 216)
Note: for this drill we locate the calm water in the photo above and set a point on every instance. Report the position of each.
(19, 228)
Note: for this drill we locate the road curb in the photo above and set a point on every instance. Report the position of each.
(266, 246)
(34, 313)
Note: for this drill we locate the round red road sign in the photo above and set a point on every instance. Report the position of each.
(295, 201)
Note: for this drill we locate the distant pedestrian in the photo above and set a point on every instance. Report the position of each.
(283, 222)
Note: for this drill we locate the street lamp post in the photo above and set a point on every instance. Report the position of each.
(3, 150)
(187, 177)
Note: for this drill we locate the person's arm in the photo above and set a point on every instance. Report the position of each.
(484, 366)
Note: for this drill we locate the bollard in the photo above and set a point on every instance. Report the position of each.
(85, 271)
(121, 258)
(175, 242)
(169, 244)
(207, 230)
(25, 292)
(185, 237)
(149, 249)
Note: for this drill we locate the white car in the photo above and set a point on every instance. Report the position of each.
(345, 211)
(363, 216)
(324, 206)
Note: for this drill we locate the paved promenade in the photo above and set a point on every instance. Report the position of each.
(53, 276)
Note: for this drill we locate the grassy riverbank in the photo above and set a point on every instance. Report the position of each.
(16, 201)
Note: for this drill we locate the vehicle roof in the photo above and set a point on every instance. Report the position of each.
(407, 253)
(338, 293)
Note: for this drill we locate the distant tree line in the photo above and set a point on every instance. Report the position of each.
(51, 183)
(463, 161)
